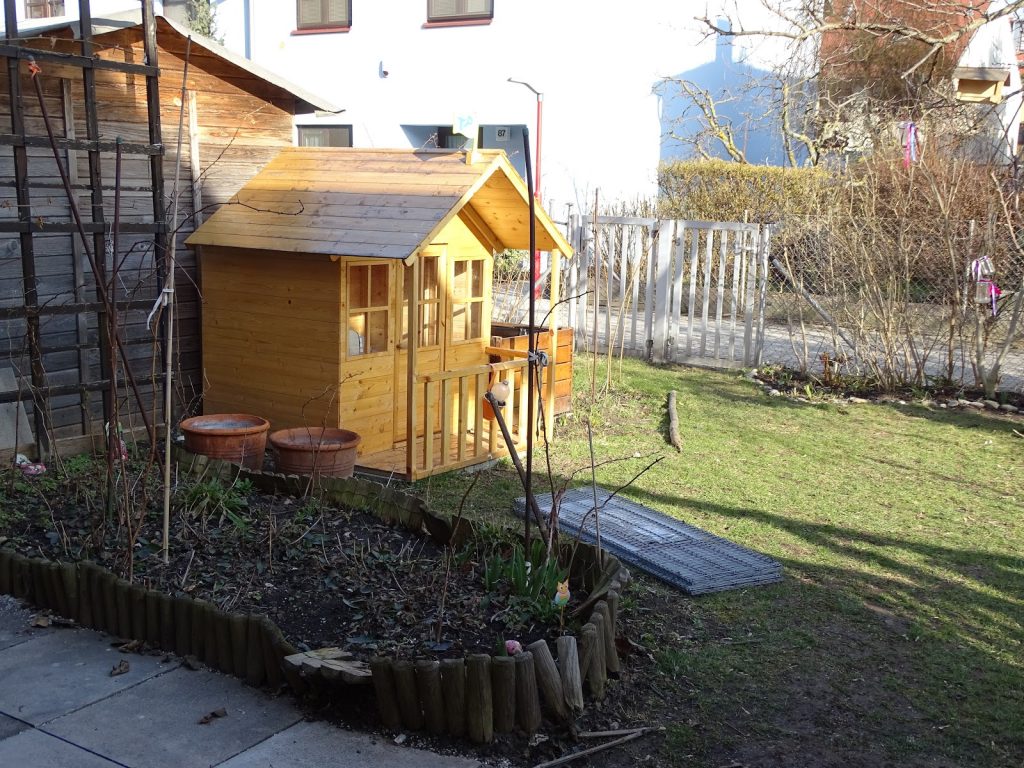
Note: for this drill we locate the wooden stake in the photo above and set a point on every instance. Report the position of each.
(612, 598)
(548, 680)
(673, 422)
(569, 670)
(479, 704)
(152, 607)
(428, 684)
(225, 650)
(503, 689)
(453, 687)
(137, 609)
(165, 608)
(384, 691)
(69, 579)
(106, 592)
(20, 584)
(527, 698)
(197, 637)
(124, 610)
(408, 696)
(86, 609)
(5, 571)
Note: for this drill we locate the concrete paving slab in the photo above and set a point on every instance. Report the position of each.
(9, 726)
(64, 671)
(35, 748)
(155, 724)
(14, 621)
(314, 744)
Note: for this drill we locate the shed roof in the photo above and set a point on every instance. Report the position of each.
(306, 101)
(376, 203)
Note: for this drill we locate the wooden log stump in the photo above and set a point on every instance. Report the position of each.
(199, 613)
(21, 584)
(211, 636)
(238, 626)
(384, 691)
(182, 609)
(225, 647)
(673, 422)
(122, 593)
(598, 672)
(569, 671)
(611, 655)
(548, 680)
(527, 698)
(152, 598)
(503, 693)
(612, 599)
(5, 571)
(479, 702)
(107, 594)
(453, 689)
(40, 594)
(428, 685)
(87, 611)
(271, 659)
(137, 608)
(165, 613)
(408, 696)
(55, 590)
(587, 654)
(255, 673)
(69, 579)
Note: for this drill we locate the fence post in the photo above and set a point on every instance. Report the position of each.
(662, 305)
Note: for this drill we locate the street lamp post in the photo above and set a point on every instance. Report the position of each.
(536, 175)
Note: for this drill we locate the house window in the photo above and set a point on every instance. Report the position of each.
(467, 292)
(325, 136)
(369, 308)
(43, 9)
(323, 14)
(459, 10)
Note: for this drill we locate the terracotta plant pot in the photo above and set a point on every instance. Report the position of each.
(315, 450)
(235, 437)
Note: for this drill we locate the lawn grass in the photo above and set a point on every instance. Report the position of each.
(898, 633)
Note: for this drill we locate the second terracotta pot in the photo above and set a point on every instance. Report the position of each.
(315, 450)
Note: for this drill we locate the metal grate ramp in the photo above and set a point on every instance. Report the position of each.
(686, 557)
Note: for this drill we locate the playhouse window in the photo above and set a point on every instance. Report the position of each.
(43, 9)
(467, 299)
(368, 308)
(428, 294)
(325, 135)
(456, 10)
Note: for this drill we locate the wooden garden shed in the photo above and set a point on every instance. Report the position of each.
(314, 273)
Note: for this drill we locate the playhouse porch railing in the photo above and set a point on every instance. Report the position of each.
(447, 428)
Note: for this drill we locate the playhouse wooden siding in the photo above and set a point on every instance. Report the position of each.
(306, 294)
(235, 122)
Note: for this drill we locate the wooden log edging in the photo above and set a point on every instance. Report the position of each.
(477, 696)
(249, 646)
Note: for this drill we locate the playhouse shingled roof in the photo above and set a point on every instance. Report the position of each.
(377, 203)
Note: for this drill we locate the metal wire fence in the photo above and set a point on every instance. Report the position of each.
(896, 301)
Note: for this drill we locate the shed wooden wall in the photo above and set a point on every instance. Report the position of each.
(239, 123)
(270, 330)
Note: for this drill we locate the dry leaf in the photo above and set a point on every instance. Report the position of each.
(209, 717)
(120, 668)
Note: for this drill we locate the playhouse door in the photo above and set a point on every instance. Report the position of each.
(366, 402)
(431, 309)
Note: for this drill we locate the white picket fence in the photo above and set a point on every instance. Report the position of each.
(669, 290)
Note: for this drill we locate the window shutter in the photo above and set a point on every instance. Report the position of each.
(338, 12)
(442, 8)
(309, 13)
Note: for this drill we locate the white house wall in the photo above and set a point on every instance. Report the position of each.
(596, 61)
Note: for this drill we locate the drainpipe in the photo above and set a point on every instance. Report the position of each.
(247, 23)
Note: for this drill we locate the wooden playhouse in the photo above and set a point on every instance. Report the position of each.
(314, 273)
